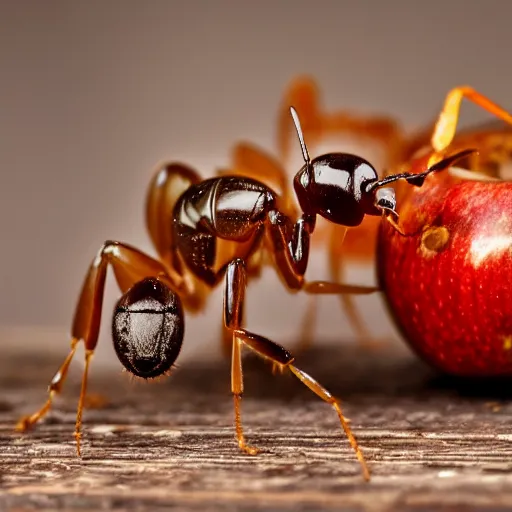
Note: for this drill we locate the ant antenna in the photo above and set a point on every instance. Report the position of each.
(418, 179)
(296, 122)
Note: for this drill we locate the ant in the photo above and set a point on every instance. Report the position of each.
(208, 231)
(401, 152)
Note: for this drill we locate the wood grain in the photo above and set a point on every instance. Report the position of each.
(431, 442)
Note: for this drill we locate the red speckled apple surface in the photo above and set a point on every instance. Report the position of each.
(449, 285)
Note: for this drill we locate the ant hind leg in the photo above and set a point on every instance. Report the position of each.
(129, 266)
(55, 387)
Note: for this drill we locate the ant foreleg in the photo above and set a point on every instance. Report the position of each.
(129, 266)
(291, 246)
(291, 251)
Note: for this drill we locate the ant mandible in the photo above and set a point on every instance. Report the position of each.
(206, 231)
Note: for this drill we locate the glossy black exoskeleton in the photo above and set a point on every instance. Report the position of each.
(147, 328)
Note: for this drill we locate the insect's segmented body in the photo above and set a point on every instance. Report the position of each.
(230, 209)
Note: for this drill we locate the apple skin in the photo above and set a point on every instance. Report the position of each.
(449, 285)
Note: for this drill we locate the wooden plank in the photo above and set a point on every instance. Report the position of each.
(431, 442)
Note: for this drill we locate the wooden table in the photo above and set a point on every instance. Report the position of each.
(431, 442)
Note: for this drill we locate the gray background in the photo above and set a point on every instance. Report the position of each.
(93, 94)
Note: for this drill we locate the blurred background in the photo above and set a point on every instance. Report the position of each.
(93, 94)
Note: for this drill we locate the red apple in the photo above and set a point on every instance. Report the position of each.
(449, 285)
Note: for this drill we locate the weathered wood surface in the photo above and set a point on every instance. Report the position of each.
(431, 443)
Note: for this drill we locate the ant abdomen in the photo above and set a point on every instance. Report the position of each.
(148, 328)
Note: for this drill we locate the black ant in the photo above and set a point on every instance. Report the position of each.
(206, 231)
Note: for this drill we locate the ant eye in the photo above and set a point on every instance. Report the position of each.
(385, 200)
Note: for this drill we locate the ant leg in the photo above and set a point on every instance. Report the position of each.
(307, 325)
(330, 288)
(250, 161)
(290, 245)
(54, 388)
(253, 267)
(83, 390)
(168, 183)
(308, 321)
(337, 263)
(337, 267)
(446, 124)
(320, 391)
(234, 294)
(129, 266)
(233, 312)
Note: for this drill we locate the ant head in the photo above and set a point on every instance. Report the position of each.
(343, 188)
(147, 328)
(336, 186)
